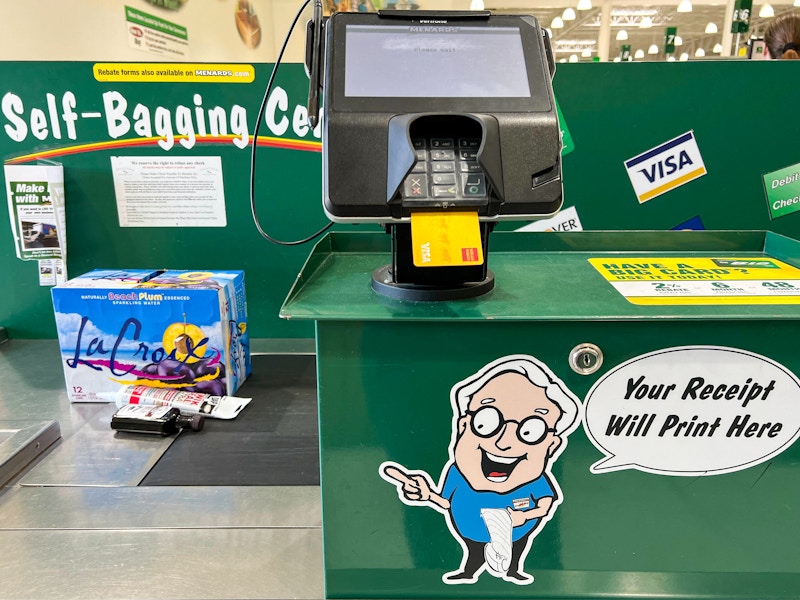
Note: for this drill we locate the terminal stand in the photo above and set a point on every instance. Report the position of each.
(403, 280)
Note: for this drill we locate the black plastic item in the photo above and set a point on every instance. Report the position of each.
(378, 122)
(402, 280)
(155, 420)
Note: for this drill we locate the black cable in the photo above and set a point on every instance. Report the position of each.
(259, 118)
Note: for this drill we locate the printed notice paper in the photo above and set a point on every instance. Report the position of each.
(169, 192)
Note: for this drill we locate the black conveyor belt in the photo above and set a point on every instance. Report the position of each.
(273, 441)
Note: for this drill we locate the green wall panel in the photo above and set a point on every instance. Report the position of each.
(613, 112)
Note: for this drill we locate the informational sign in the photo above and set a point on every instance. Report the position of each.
(783, 191)
(669, 39)
(665, 167)
(567, 145)
(51, 272)
(36, 210)
(567, 219)
(155, 35)
(169, 192)
(691, 411)
(741, 16)
(175, 72)
(722, 280)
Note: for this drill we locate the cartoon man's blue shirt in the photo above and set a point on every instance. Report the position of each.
(466, 504)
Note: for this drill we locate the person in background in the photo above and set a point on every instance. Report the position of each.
(782, 37)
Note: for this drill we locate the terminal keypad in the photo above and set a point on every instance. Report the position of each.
(445, 169)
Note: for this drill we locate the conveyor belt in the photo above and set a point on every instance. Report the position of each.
(274, 441)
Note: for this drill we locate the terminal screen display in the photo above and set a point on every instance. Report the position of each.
(434, 62)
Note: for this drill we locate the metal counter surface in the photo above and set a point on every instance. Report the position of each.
(75, 524)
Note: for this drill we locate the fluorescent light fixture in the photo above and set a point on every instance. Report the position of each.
(557, 23)
(766, 11)
(678, 40)
(587, 4)
(717, 48)
(646, 23)
(569, 14)
(700, 53)
(652, 49)
(639, 53)
(476, 5)
(622, 35)
(711, 27)
(684, 57)
(685, 6)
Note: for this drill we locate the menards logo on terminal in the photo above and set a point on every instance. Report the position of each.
(57, 116)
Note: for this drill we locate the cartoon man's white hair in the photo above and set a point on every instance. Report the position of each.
(537, 373)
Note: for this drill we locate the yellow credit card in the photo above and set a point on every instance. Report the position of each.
(446, 239)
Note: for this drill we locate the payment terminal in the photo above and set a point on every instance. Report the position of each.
(437, 125)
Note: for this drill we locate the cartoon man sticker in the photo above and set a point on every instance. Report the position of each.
(510, 423)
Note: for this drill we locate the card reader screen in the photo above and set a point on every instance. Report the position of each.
(434, 61)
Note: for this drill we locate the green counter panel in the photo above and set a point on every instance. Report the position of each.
(386, 369)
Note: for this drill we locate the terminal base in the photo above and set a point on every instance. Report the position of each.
(383, 283)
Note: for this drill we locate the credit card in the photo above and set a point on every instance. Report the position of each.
(446, 239)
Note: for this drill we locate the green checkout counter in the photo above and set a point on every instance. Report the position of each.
(673, 474)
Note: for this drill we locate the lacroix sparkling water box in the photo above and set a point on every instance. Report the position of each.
(183, 330)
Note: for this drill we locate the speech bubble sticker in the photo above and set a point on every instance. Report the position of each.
(692, 410)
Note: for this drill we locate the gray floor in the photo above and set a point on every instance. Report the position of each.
(75, 523)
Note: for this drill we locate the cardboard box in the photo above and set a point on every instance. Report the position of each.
(177, 329)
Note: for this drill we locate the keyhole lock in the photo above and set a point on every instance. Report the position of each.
(585, 359)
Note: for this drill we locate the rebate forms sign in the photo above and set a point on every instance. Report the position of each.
(665, 167)
(697, 281)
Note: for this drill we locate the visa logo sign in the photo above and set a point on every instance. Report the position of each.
(665, 167)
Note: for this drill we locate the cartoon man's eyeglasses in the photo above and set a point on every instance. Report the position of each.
(487, 421)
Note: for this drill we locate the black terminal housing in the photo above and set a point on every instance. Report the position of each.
(398, 82)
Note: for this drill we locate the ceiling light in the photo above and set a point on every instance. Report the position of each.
(711, 28)
(646, 22)
(678, 40)
(573, 58)
(557, 23)
(685, 6)
(717, 48)
(796, 3)
(684, 57)
(639, 53)
(586, 53)
(622, 35)
(568, 14)
(766, 11)
(587, 4)
(652, 49)
(700, 53)
(476, 5)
